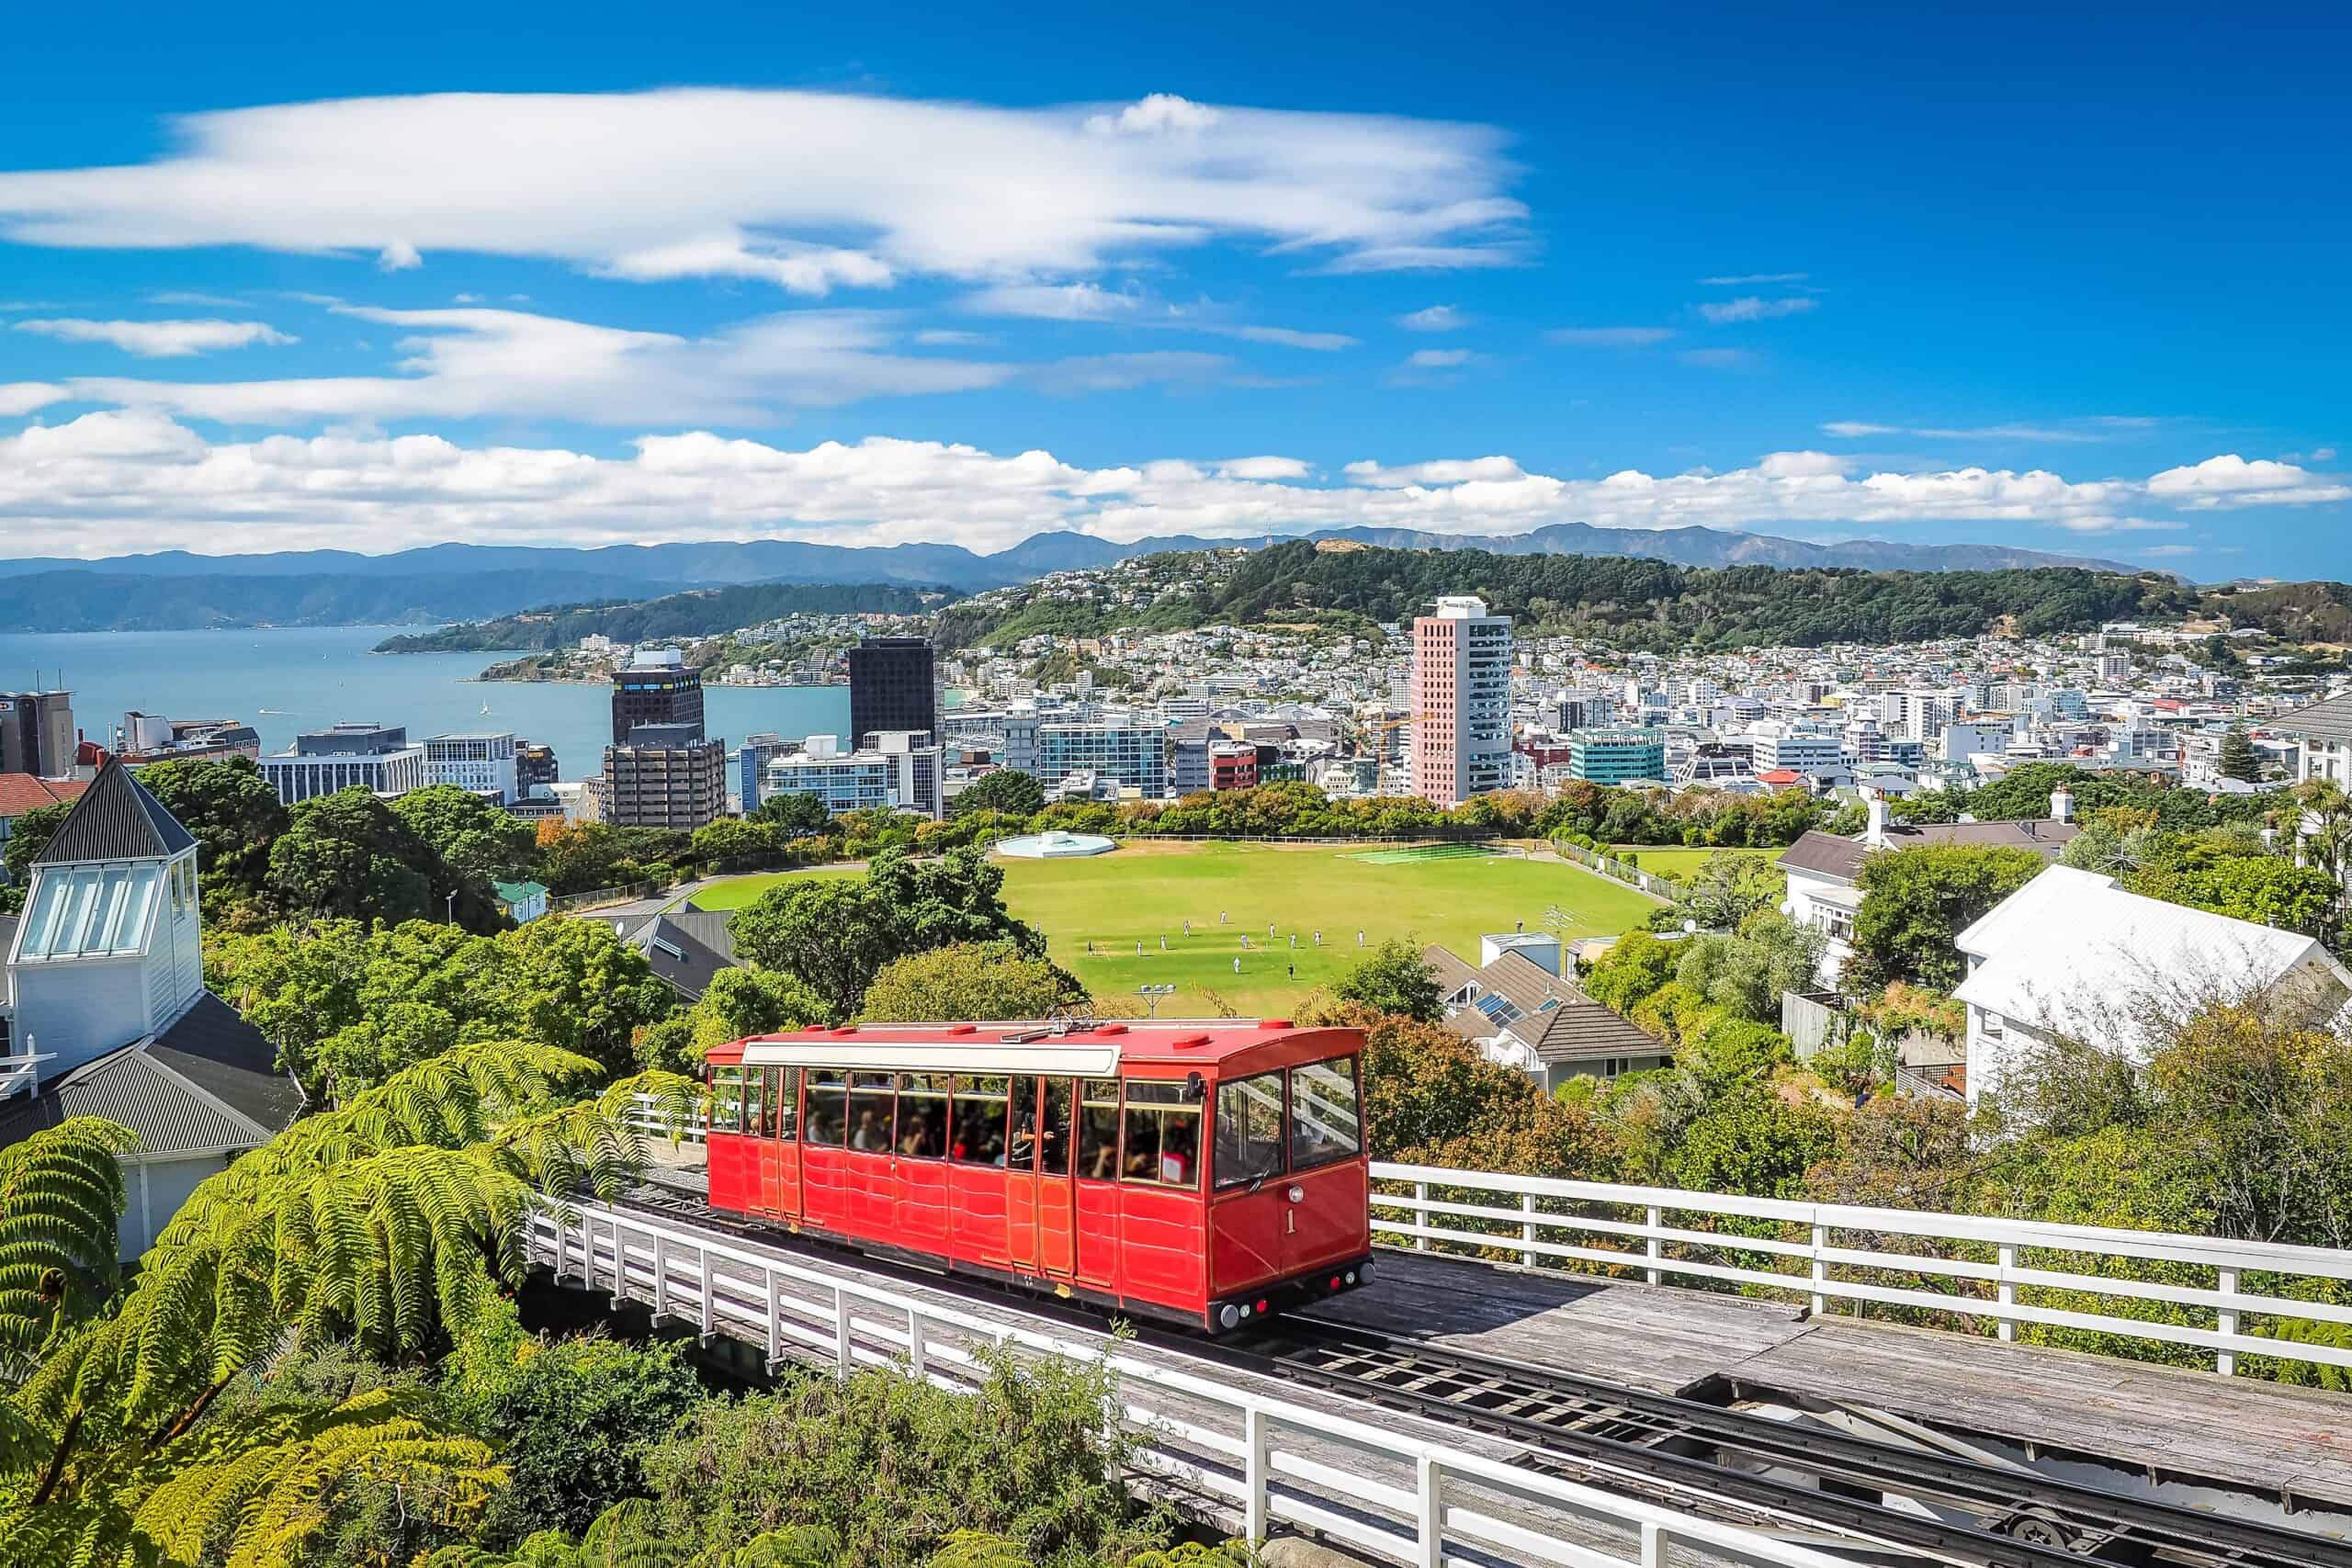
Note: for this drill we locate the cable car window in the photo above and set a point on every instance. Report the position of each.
(1163, 1136)
(1024, 1123)
(752, 1086)
(828, 1107)
(870, 1097)
(787, 1102)
(922, 1115)
(1059, 1094)
(1249, 1130)
(1098, 1131)
(979, 1120)
(1325, 1120)
(727, 1099)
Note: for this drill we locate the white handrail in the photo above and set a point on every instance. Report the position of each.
(1251, 1451)
(1827, 1252)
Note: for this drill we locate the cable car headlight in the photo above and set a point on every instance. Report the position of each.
(1229, 1315)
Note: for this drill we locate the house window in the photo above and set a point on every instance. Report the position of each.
(1992, 1025)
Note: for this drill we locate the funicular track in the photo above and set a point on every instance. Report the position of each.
(1875, 1500)
(2003, 1516)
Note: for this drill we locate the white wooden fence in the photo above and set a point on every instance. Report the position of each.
(1834, 1256)
(1831, 1252)
(1398, 1498)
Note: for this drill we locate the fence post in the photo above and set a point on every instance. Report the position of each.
(1421, 1214)
(708, 1318)
(915, 1342)
(1430, 1520)
(775, 1319)
(1654, 1248)
(845, 1357)
(2226, 1361)
(1256, 1512)
(661, 1276)
(620, 1267)
(1527, 1231)
(1820, 1269)
(1653, 1544)
(2008, 1293)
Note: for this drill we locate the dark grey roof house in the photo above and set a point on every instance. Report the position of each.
(1523, 1015)
(685, 947)
(107, 1013)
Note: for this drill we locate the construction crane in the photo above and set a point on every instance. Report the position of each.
(1383, 730)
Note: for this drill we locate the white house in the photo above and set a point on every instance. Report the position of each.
(1824, 870)
(105, 1011)
(1519, 1013)
(2070, 957)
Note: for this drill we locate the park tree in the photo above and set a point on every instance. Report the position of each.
(1916, 902)
(1392, 978)
(2239, 759)
(794, 814)
(351, 855)
(736, 839)
(1635, 964)
(832, 933)
(575, 986)
(970, 980)
(1727, 889)
(2267, 889)
(738, 1002)
(469, 832)
(1005, 790)
(232, 812)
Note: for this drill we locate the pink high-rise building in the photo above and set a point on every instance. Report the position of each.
(1461, 701)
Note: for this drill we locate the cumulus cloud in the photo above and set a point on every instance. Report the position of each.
(1085, 301)
(2231, 480)
(808, 190)
(2104, 427)
(1750, 307)
(157, 340)
(23, 397)
(1435, 319)
(1609, 337)
(136, 478)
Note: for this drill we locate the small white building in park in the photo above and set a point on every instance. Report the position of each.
(2072, 957)
(103, 1010)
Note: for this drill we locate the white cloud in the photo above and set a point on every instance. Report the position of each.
(805, 189)
(135, 480)
(1749, 308)
(158, 340)
(2098, 428)
(1750, 279)
(2231, 480)
(1288, 337)
(1056, 302)
(23, 397)
(1609, 337)
(1123, 372)
(1438, 358)
(1435, 319)
(2167, 551)
(2121, 525)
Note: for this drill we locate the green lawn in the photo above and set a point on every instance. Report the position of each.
(738, 891)
(1145, 892)
(1677, 861)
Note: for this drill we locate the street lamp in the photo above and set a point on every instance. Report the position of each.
(451, 906)
(1151, 995)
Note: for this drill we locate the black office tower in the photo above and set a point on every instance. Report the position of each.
(656, 690)
(890, 687)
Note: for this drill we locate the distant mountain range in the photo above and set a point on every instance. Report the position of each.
(437, 582)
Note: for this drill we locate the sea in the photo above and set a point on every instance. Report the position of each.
(285, 679)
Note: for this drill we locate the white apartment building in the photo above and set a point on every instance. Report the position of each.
(297, 776)
(480, 762)
(902, 772)
(1799, 748)
(1132, 753)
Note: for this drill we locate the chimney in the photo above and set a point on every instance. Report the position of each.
(2061, 804)
(1875, 836)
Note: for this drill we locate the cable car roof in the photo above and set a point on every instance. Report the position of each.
(1031, 1046)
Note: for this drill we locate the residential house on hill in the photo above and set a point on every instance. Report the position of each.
(685, 948)
(1824, 869)
(1521, 1014)
(2070, 957)
(107, 1015)
(20, 793)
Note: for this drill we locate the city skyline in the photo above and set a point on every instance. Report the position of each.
(309, 288)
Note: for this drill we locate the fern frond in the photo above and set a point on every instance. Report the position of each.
(61, 1201)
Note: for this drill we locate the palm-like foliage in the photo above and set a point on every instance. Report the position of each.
(391, 1221)
(254, 1494)
(61, 1199)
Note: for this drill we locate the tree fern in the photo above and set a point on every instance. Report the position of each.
(61, 1200)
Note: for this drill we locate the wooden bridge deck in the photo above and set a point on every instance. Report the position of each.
(2153, 1420)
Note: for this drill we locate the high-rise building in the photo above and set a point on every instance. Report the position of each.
(1461, 701)
(534, 767)
(1127, 753)
(656, 687)
(1233, 764)
(374, 757)
(892, 687)
(37, 733)
(901, 772)
(666, 776)
(480, 762)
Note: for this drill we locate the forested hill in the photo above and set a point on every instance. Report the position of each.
(1628, 602)
(699, 613)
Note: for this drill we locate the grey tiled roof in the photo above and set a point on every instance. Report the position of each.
(686, 948)
(115, 819)
(1833, 856)
(2329, 720)
(1570, 1028)
(205, 1083)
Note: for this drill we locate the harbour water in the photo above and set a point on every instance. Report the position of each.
(282, 680)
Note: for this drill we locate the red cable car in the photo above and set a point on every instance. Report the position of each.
(1201, 1172)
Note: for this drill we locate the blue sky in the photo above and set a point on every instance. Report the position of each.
(2065, 277)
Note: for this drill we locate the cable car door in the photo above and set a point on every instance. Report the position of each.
(1039, 1194)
